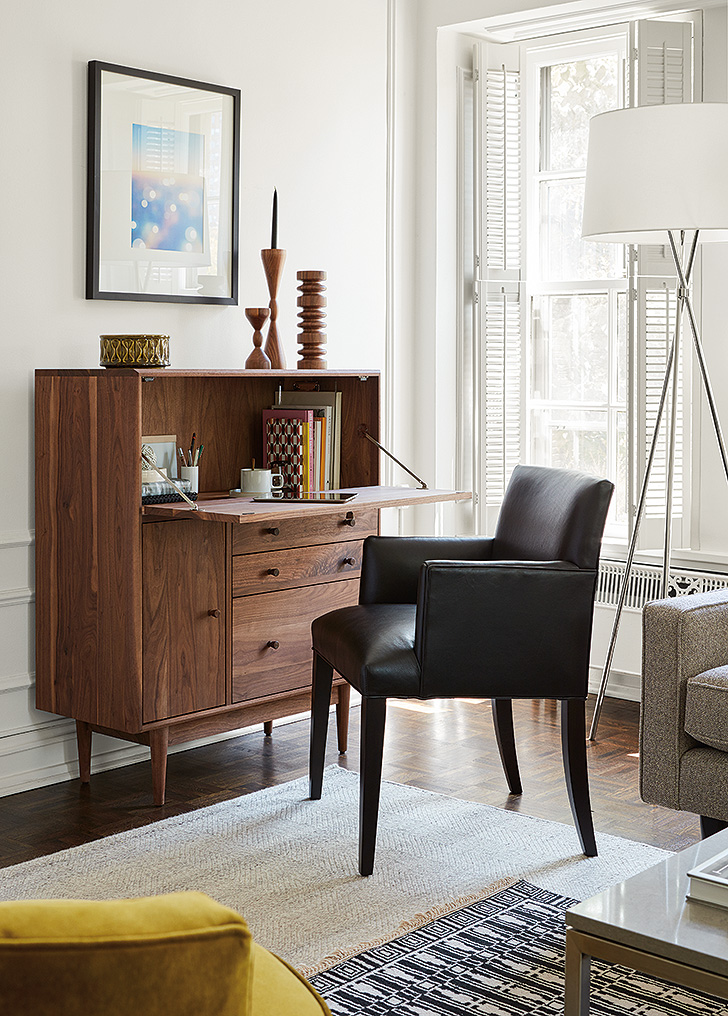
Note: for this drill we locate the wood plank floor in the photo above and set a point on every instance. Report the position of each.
(443, 746)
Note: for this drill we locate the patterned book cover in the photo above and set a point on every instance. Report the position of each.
(305, 416)
(285, 448)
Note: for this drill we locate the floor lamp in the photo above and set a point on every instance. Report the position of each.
(657, 175)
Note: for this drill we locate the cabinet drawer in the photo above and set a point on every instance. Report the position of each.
(286, 569)
(284, 617)
(306, 530)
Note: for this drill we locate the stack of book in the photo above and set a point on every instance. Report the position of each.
(302, 440)
(708, 882)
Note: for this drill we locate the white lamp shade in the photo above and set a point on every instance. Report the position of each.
(654, 168)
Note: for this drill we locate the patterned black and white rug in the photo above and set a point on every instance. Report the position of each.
(501, 956)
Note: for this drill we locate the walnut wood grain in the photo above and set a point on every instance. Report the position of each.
(284, 617)
(88, 548)
(184, 612)
(302, 566)
(304, 529)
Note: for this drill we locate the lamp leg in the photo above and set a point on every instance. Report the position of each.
(684, 278)
(632, 546)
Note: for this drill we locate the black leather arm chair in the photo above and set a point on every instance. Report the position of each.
(471, 617)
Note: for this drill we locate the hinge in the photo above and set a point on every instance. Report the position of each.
(476, 75)
(476, 295)
(633, 295)
(477, 260)
(476, 497)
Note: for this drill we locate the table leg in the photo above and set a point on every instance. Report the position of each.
(577, 979)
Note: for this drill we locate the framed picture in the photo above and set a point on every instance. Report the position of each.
(164, 447)
(163, 184)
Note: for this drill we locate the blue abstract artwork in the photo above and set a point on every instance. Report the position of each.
(167, 189)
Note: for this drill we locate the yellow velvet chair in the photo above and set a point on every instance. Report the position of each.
(182, 953)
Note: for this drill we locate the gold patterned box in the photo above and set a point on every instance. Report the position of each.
(134, 350)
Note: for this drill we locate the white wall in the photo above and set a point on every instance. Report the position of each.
(313, 78)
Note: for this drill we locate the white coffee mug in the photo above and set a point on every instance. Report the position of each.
(260, 481)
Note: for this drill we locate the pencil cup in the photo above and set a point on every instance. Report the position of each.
(191, 473)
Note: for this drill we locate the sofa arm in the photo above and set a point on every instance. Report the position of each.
(391, 565)
(681, 636)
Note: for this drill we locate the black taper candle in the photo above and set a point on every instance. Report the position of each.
(274, 227)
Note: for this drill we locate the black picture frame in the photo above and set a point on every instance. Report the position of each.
(162, 188)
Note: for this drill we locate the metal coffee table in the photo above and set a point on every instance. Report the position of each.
(646, 923)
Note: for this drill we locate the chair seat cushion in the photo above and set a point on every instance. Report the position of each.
(706, 708)
(372, 646)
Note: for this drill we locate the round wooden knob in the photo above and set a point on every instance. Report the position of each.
(274, 644)
(275, 531)
(350, 561)
(273, 571)
(214, 612)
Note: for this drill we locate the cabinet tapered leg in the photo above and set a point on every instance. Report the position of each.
(268, 728)
(83, 737)
(158, 742)
(342, 717)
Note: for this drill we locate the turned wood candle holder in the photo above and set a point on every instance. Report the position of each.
(311, 338)
(273, 260)
(257, 317)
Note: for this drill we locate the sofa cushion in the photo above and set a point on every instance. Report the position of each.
(706, 708)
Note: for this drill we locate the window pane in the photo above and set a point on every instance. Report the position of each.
(618, 507)
(571, 348)
(622, 329)
(564, 254)
(572, 93)
(570, 439)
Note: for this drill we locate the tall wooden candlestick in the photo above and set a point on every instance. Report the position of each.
(273, 261)
(311, 338)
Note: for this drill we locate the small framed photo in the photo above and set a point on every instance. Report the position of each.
(163, 185)
(164, 447)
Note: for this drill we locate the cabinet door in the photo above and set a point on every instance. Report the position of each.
(183, 617)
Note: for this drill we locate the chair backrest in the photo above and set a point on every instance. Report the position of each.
(552, 515)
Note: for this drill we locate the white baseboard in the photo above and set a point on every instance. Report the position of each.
(620, 684)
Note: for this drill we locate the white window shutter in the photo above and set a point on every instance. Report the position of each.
(498, 269)
(661, 72)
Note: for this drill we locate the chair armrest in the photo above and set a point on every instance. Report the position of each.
(391, 565)
(681, 636)
(504, 629)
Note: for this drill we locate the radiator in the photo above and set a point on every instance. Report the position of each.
(645, 582)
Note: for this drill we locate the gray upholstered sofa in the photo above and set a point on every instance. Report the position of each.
(684, 717)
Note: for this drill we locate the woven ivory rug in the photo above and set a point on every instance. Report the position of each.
(289, 865)
(502, 956)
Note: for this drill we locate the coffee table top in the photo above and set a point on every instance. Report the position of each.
(649, 911)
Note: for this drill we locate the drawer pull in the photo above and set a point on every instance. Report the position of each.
(349, 520)
(273, 644)
(274, 531)
(273, 571)
(214, 612)
(350, 561)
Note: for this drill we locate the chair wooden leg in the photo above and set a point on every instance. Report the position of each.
(708, 826)
(573, 748)
(323, 674)
(342, 717)
(506, 739)
(373, 716)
